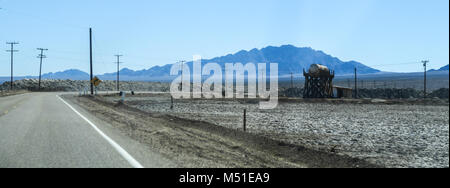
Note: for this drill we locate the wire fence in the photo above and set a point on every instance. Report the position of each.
(382, 87)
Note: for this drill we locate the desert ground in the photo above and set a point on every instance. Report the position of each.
(401, 130)
(335, 133)
(199, 144)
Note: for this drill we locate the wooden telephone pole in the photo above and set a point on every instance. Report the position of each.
(41, 56)
(90, 59)
(425, 78)
(12, 60)
(356, 85)
(118, 70)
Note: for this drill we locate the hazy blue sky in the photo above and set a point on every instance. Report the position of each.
(158, 32)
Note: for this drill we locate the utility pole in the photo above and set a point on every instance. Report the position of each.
(12, 59)
(425, 62)
(118, 69)
(182, 66)
(292, 80)
(385, 89)
(245, 120)
(90, 58)
(356, 84)
(41, 56)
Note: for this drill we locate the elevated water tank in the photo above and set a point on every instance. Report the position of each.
(317, 69)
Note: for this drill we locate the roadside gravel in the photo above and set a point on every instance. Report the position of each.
(387, 135)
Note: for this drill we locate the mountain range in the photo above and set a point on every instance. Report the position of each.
(290, 59)
(444, 68)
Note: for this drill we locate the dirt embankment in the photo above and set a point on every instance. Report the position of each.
(379, 93)
(5, 93)
(81, 86)
(192, 143)
(391, 133)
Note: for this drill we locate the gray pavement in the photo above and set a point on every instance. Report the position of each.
(40, 130)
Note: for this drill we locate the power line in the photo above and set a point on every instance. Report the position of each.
(129, 57)
(41, 56)
(381, 65)
(102, 56)
(44, 19)
(12, 59)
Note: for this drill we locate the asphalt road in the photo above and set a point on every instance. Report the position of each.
(43, 130)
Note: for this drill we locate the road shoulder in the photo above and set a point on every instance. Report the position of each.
(140, 152)
(199, 144)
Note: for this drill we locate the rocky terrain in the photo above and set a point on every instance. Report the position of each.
(388, 93)
(76, 85)
(387, 135)
(196, 144)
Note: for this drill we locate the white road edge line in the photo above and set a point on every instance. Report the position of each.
(133, 162)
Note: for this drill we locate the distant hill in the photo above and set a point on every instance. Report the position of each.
(293, 59)
(289, 58)
(444, 68)
(72, 74)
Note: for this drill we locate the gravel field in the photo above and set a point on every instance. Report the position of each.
(77, 85)
(387, 135)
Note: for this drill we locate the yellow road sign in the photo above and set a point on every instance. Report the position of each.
(96, 81)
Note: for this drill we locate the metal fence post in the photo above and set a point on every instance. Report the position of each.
(245, 120)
